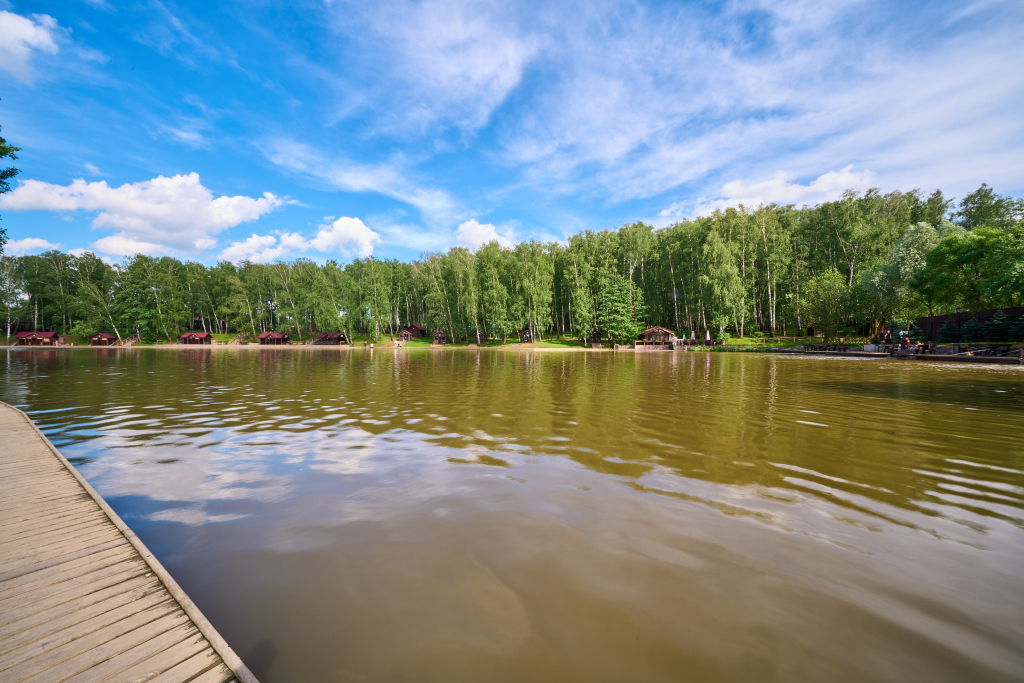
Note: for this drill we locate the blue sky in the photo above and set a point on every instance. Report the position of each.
(332, 129)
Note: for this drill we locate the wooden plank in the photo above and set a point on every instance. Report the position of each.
(26, 644)
(218, 674)
(108, 583)
(186, 670)
(64, 572)
(51, 502)
(57, 664)
(60, 527)
(60, 559)
(63, 547)
(62, 524)
(147, 651)
(81, 598)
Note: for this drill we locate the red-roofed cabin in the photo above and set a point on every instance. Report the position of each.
(102, 339)
(526, 336)
(413, 331)
(271, 338)
(656, 337)
(440, 338)
(196, 338)
(36, 339)
(332, 339)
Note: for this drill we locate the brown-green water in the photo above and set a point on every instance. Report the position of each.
(467, 516)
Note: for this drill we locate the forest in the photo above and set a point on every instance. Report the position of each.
(847, 265)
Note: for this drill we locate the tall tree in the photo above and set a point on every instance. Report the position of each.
(6, 175)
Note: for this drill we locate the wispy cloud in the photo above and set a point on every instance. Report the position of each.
(436, 206)
(779, 189)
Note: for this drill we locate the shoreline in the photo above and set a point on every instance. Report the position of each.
(522, 348)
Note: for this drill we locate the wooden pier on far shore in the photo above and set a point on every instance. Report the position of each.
(81, 598)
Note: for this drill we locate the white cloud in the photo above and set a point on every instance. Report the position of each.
(176, 214)
(257, 248)
(93, 170)
(473, 234)
(437, 206)
(20, 36)
(29, 244)
(778, 189)
(345, 237)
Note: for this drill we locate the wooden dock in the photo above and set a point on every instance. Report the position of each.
(81, 598)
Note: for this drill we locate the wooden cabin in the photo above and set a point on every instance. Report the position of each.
(36, 339)
(656, 338)
(526, 336)
(102, 339)
(274, 338)
(413, 331)
(594, 341)
(477, 338)
(332, 339)
(440, 338)
(196, 338)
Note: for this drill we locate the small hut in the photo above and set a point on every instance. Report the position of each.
(594, 341)
(196, 338)
(274, 338)
(332, 339)
(36, 339)
(440, 338)
(477, 338)
(526, 336)
(102, 339)
(656, 338)
(413, 331)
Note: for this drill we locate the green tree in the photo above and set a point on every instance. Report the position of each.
(827, 296)
(12, 291)
(6, 175)
(983, 208)
(621, 309)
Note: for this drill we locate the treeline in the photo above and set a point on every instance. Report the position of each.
(863, 260)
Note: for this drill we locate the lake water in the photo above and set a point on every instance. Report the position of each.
(348, 515)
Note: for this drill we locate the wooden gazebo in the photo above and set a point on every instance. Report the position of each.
(102, 339)
(332, 339)
(274, 338)
(526, 336)
(196, 338)
(36, 339)
(656, 338)
(440, 338)
(477, 338)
